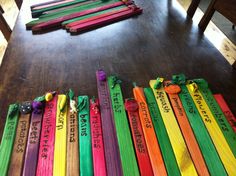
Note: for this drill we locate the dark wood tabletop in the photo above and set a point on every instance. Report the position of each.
(160, 42)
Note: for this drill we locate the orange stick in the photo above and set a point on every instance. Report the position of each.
(187, 132)
(155, 155)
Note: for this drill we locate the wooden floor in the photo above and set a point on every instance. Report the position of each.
(217, 38)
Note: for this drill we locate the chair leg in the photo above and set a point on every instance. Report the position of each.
(207, 16)
(18, 3)
(6, 30)
(192, 8)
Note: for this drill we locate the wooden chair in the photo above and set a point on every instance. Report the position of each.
(4, 27)
(225, 7)
(193, 7)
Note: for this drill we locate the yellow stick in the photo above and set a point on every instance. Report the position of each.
(59, 164)
(181, 152)
(218, 139)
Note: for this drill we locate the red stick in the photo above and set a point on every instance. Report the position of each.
(144, 163)
(56, 22)
(95, 17)
(105, 20)
(44, 3)
(99, 164)
(227, 112)
(46, 149)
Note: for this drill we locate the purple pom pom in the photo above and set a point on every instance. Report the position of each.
(37, 107)
(102, 75)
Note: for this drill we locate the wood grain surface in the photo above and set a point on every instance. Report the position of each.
(158, 42)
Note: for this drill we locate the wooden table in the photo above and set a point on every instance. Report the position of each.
(160, 42)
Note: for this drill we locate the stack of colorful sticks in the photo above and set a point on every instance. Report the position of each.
(80, 15)
(175, 127)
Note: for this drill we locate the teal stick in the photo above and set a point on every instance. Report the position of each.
(161, 133)
(127, 154)
(85, 146)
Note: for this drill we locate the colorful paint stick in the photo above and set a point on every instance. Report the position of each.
(203, 138)
(47, 139)
(161, 133)
(72, 157)
(227, 112)
(145, 167)
(59, 161)
(154, 152)
(219, 116)
(32, 149)
(112, 154)
(172, 90)
(128, 160)
(180, 149)
(18, 152)
(85, 147)
(99, 163)
(214, 130)
(8, 137)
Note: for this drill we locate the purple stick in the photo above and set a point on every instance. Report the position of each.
(112, 154)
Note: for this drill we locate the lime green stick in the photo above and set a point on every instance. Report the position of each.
(48, 17)
(85, 146)
(8, 138)
(161, 133)
(127, 154)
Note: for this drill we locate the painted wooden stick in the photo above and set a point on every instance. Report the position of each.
(52, 12)
(72, 161)
(53, 16)
(127, 154)
(44, 3)
(214, 130)
(64, 23)
(47, 139)
(180, 149)
(221, 120)
(99, 163)
(57, 22)
(145, 167)
(161, 133)
(227, 112)
(85, 147)
(111, 147)
(18, 152)
(206, 145)
(172, 90)
(36, 13)
(104, 21)
(8, 138)
(96, 17)
(31, 155)
(50, 4)
(59, 161)
(154, 152)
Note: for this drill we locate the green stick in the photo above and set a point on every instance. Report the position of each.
(85, 147)
(8, 138)
(128, 160)
(161, 133)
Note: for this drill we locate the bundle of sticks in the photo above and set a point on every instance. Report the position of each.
(80, 15)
